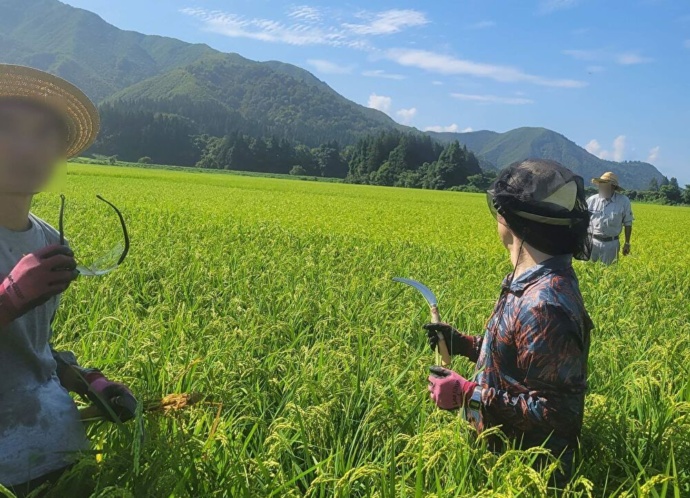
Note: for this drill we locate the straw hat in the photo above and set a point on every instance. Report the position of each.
(79, 113)
(608, 177)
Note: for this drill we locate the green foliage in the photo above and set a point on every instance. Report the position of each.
(410, 160)
(298, 171)
(670, 194)
(481, 182)
(243, 153)
(144, 160)
(274, 298)
(253, 99)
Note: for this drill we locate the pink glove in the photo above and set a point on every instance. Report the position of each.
(448, 389)
(36, 278)
(115, 400)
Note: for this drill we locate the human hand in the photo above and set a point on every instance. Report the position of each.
(449, 390)
(626, 249)
(457, 343)
(35, 279)
(115, 400)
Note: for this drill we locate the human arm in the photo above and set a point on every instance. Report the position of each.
(115, 401)
(628, 219)
(552, 359)
(458, 343)
(626, 246)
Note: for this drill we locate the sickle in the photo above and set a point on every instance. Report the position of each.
(430, 297)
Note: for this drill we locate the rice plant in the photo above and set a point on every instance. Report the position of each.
(273, 298)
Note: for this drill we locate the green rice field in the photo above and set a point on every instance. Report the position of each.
(273, 298)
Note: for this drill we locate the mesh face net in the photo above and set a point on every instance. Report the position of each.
(545, 205)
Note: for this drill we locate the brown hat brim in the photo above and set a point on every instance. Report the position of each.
(76, 109)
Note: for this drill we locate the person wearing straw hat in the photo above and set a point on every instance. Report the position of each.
(531, 362)
(612, 215)
(43, 120)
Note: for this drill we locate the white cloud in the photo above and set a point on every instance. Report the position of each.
(328, 67)
(584, 55)
(631, 58)
(446, 64)
(653, 154)
(619, 148)
(291, 33)
(492, 99)
(482, 25)
(380, 73)
(406, 115)
(380, 103)
(549, 6)
(305, 25)
(305, 13)
(616, 154)
(601, 55)
(593, 147)
(454, 128)
(595, 69)
(686, 44)
(437, 83)
(388, 22)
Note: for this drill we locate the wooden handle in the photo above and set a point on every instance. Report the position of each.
(91, 413)
(442, 349)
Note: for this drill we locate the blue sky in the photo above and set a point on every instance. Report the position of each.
(610, 75)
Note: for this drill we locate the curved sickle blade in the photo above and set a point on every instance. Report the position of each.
(425, 291)
(442, 350)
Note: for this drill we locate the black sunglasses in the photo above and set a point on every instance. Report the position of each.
(104, 264)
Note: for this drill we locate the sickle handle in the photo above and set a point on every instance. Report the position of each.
(442, 350)
(91, 413)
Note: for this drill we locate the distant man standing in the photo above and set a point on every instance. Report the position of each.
(611, 213)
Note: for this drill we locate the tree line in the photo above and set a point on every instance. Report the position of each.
(390, 158)
(410, 160)
(133, 133)
(667, 192)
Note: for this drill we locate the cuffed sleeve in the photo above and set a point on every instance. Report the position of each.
(628, 217)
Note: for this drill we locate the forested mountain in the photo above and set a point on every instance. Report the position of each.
(410, 160)
(80, 46)
(139, 74)
(503, 149)
(164, 98)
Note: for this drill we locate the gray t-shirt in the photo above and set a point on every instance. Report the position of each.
(40, 428)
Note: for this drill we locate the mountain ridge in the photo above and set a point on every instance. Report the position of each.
(503, 149)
